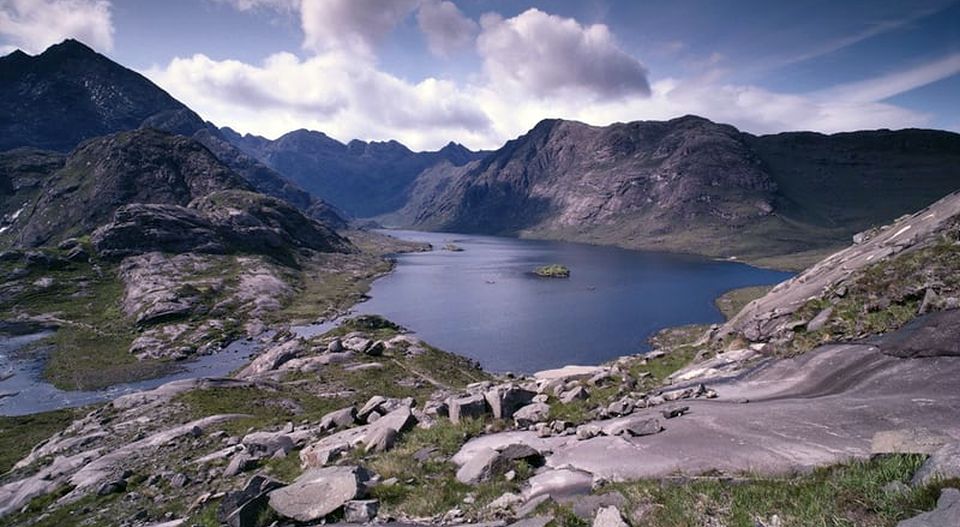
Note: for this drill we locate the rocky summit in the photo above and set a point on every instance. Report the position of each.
(689, 185)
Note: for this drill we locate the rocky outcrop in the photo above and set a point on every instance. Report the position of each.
(217, 223)
(319, 492)
(851, 277)
(947, 513)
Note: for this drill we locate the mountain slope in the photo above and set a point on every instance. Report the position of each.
(57, 197)
(891, 275)
(364, 179)
(691, 185)
(70, 93)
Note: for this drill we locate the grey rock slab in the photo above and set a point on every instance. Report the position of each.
(319, 492)
(531, 414)
(241, 462)
(947, 513)
(533, 521)
(242, 508)
(504, 400)
(483, 465)
(559, 483)
(942, 464)
(470, 406)
(268, 443)
(360, 511)
(609, 517)
(578, 393)
(272, 358)
(339, 418)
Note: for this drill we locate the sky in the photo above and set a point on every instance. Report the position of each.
(481, 72)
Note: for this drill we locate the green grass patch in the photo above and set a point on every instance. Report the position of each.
(430, 488)
(848, 495)
(733, 301)
(19, 434)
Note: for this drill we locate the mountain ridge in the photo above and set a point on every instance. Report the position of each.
(690, 185)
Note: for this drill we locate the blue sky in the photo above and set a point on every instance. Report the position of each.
(483, 71)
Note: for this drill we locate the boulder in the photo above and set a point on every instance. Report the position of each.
(339, 419)
(521, 451)
(588, 431)
(569, 373)
(471, 406)
(371, 406)
(947, 513)
(484, 464)
(380, 439)
(266, 444)
(356, 343)
(942, 464)
(820, 320)
(609, 517)
(635, 427)
(272, 358)
(620, 408)
(531, 414)
(335, 346)
(578, 393)
(504, 400)
(360, 511)
(243, 508)
(241, 462)
(670, 413)
(319, 492)
(559, 483)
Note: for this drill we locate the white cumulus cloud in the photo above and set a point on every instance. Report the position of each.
(447, 29)
(338, 93)
(544, 54)
(352, 25)
(34, 25)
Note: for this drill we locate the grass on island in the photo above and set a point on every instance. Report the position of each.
(733, 301)
(552, 271)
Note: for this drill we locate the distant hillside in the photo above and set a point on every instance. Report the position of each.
(364, 179)
(53, 197)
(70, 93)
(690, 185)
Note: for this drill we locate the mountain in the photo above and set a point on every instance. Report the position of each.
(53, 197)
(364, 179)
(70, 93)
(690, 185)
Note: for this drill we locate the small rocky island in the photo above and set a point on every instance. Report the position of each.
(552, 271)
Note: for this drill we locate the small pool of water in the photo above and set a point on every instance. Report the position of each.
(23, 390)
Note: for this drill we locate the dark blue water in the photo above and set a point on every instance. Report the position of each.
(486, 304)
